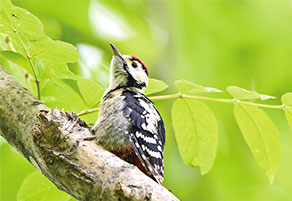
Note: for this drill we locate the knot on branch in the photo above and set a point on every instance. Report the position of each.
(131, 191)
(60, 131)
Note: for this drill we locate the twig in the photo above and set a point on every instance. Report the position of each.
(87, 111)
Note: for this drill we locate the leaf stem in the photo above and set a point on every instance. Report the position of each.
(165, 97)
(263, 105)
(31, 64)
(232, 101)
(180, 95)
(207, 98)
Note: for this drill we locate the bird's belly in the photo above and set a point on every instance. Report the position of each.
(112, 134)
(112, 129)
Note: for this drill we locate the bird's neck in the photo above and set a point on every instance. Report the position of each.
(113, 88)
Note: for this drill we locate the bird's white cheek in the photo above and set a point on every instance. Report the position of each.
(141, 77)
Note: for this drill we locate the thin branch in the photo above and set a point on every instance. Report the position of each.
(87, 111)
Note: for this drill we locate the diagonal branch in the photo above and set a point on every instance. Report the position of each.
(62, 147)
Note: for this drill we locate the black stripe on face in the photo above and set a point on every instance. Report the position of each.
(125, 67)
(133, 83)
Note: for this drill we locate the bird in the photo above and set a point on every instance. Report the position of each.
(128, 123)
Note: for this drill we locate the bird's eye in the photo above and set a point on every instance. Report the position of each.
(134, 64)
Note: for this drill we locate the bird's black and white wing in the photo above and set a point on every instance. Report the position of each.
(147, 132)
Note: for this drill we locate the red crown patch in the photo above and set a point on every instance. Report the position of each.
(140, 61)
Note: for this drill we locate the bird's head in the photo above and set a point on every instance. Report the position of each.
(127, 71)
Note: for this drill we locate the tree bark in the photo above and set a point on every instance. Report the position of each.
(62, 147)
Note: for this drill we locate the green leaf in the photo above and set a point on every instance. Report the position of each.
(3, 44)
(25, 22)
(37, 187)
(57, 93)
(53, 51)
(287, 101)
(55, 71)
(5, 26)
(90, 118)
(287, 98)
(2, 141)
(6, 5)
(155, 86)
(18, 59)
(91, 91)
(196, 133)
(189, 87)
(13, 18)
(261, 135)
(288, 115)
(240, 93)
(5, 16)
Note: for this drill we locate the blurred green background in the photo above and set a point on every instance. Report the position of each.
(214, 43)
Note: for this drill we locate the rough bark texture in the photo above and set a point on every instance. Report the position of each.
(62, 147)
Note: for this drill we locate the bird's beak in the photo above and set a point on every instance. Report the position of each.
(116, 51)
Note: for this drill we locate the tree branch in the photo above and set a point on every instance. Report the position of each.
(62, 147)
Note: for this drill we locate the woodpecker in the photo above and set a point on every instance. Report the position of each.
(128, 124)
